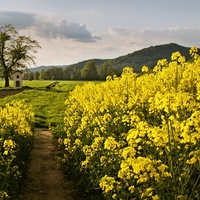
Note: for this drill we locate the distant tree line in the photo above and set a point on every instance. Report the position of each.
(90, 71)
(99, 69)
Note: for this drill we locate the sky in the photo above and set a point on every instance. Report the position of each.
(70, 31)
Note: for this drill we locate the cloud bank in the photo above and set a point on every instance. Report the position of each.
(132, 40)
(68, 43)
(47, 26)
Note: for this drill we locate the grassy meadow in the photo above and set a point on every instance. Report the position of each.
(41, 84)
(48, 105)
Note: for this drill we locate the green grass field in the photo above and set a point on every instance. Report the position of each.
(48, 105)
(63, 85)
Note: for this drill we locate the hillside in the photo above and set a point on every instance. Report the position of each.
(147, 56)
(40, 68)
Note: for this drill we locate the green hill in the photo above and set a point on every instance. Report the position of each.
(147, 56)
(40, 68)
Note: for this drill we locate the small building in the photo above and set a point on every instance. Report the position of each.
(17, 77)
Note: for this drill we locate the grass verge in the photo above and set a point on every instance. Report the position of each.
(48, 105)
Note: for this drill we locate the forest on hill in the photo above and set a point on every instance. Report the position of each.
(99, 69)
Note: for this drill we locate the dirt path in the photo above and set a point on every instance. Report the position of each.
(5, 93)
(45, 181)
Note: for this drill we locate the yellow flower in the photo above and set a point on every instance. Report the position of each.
(182, 197)
(97, 143)
(114, 196)
(193, 51)
(128, 152)
(3, 195)
(148, 192)
(195, 157)
(145, 69)
(78, 142)
(156, 197)
(103, 160)
(145, 122)
(111, 144)
(108, 183)
(9, 144)
(131, 189)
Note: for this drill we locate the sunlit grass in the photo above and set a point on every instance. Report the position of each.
(48, 105)
(41, 84)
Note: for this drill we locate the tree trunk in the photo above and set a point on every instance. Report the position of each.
(7, 84)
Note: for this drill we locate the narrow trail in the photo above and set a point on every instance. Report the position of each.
(45, 181)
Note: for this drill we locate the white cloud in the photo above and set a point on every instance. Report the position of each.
(130, 39)
(116, 42)
(64, 42)
(47, 26)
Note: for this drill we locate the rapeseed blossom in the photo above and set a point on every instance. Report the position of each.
(137, 136)
(16, 134)
(111, 144)
(108, 184)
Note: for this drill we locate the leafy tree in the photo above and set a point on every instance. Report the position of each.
(105, 71)
(58, 73)
(76, 74)
(52, 74)
(67, 73)
(89, 71)
(36, 75)
(28, 75)
(42, 75)
(15, 51)
(25, 76)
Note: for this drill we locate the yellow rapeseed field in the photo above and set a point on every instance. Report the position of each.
(138, 136)
(16, 138)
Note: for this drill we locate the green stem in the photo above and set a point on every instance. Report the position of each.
(194, 187)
